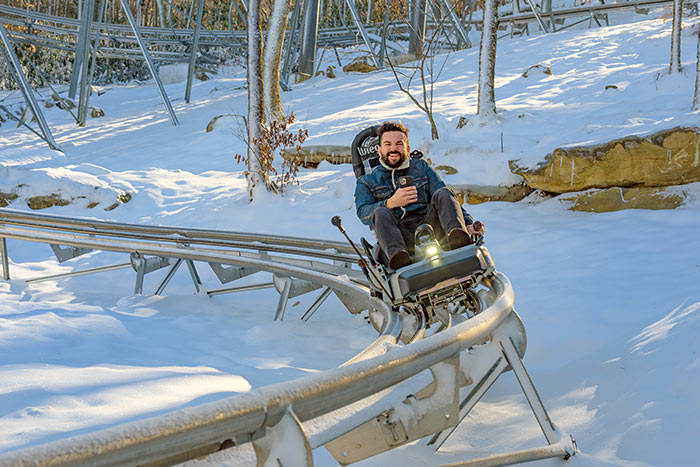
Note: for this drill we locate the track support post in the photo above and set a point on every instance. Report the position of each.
(528, 387)
(284, 297)
(143, 266)
(430, 410)
(287, 432)
(5, 259)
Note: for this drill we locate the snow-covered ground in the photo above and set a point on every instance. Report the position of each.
(610, 301)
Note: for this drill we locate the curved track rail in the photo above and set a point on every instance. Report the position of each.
(273, 416)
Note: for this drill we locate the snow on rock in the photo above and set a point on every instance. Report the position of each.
(83, 185)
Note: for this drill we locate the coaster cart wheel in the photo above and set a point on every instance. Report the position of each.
(413, 324)
(471, 305)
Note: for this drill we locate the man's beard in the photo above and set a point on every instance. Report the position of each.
(385, 159)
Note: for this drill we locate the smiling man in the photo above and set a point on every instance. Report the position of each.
(395, 212)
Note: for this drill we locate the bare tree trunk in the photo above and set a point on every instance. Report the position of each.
(272, 60)
(696, 97)
(417, 27)
(255, 99)
(487, 62)
(675, 65)
(161, 13)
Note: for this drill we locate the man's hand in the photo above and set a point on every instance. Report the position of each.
(402, 197)
(477, 228)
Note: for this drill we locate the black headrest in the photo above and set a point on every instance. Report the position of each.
(364, 151)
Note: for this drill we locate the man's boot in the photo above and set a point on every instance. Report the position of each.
(399, 259)
(457, 238)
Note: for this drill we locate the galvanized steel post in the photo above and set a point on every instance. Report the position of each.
(83, 36)
(195, 49)
(5, 259)
(149, 62)
(309, 34)
(88, 12)
(23, 84)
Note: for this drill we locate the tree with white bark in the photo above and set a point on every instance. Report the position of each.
(675, 65)
(696, 96)
(272, 58)
(267, 127)
(486, 101)
(255, 121)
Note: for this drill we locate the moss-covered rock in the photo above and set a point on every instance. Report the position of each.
(46, 201)
(360, 65)
(446, 169)
(7, 198)
(616, 199)
(670, 157)
(477, 194)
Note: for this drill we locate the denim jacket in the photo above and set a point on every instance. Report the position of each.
(373, 189)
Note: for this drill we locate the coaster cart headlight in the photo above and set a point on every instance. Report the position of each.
(426, 243)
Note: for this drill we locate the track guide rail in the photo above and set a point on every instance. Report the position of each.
(275, 414)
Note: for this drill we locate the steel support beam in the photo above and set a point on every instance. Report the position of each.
(5, 259)
(88, 12)
(194, 274)
(284, 298)
(83, 37)
(462, 36)
(528, 388)
(16, 69)
(363, 33)
(195, 49)
(309, 39)
(149, 62)
(290, 45)
(242, 288)
(317, 303)
(169, 275)
(517, 457)
(537, 16)
(470, 401)
(82, 272)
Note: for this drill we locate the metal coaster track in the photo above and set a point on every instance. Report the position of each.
(275, 414)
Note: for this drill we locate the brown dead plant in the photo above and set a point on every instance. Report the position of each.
(274, 137)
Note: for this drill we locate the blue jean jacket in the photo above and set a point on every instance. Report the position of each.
(373, 189)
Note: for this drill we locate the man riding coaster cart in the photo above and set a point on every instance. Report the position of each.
(429, 259)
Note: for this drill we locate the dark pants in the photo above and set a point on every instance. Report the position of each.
(394, 234)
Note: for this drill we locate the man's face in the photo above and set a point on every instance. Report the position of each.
(393, 148)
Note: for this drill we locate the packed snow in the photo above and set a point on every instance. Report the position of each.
(610, 302)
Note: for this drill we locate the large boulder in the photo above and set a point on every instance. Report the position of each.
(362, 64)
(617, 198)
(477, 194)
(670, 157)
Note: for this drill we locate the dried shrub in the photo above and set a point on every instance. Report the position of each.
(274, 137)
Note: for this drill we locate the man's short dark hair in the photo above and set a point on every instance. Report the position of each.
(391, 126)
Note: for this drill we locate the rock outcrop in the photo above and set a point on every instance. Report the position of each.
(57, 199)
(628, 173)
(477, 194)
(670, 157)
(360, 65)
(616, 199)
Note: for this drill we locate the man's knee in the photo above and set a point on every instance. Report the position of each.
(383, 214)
(442, 195)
